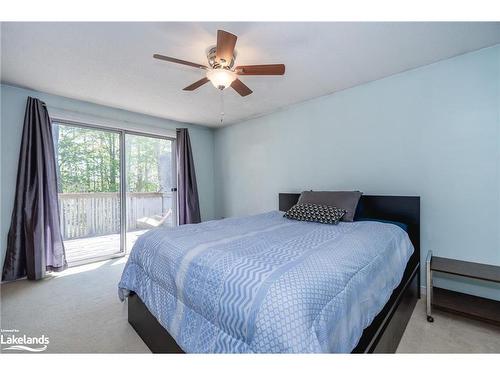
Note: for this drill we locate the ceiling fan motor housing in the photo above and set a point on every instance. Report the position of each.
(215, 64)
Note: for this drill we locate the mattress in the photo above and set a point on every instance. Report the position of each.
(267, 284)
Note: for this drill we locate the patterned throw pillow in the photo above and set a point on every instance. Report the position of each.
(315, 212)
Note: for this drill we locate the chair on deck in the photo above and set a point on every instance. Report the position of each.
(149, 222)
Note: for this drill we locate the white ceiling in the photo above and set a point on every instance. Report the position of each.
(112, 64)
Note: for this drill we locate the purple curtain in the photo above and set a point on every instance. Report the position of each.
(34, 242)
(187, 191)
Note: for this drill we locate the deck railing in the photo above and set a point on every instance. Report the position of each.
(98, 214)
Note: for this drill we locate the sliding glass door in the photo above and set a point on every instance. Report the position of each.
(113, 186)
(149, 184)
(88, 168)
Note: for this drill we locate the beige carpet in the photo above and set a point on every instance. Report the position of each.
(78, 309)
(80, 312)
(449, 333)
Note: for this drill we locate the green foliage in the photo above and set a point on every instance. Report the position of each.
(88, 160)
(148, 164)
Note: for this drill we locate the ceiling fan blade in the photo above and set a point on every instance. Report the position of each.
(197, 84)
(225, 47)
(260, 70)
(178, 61)
(240, 87)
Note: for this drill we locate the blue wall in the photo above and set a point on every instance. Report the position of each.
(13, 104)
(432, 132)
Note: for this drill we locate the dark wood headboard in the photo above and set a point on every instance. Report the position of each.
(384, 207)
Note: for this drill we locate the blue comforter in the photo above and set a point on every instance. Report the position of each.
(265, 283)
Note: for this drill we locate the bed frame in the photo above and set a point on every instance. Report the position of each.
(383, 334)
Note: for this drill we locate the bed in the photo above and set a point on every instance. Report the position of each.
(266, 284)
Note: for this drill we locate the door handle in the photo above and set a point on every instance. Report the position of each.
(173, 189)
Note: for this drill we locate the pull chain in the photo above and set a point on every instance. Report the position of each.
(221, 107)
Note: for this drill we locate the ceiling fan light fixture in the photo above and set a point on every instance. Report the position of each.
(221, 78)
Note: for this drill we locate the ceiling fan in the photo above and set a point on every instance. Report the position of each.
(220, 70)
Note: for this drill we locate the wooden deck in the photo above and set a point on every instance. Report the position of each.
(81, 249)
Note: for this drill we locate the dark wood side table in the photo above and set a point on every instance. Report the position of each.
(464, 304)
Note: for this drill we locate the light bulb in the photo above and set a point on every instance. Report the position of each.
(221, 78)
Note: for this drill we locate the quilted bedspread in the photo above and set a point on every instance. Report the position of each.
(267, 284)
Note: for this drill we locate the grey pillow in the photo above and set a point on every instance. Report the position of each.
(348, 200)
